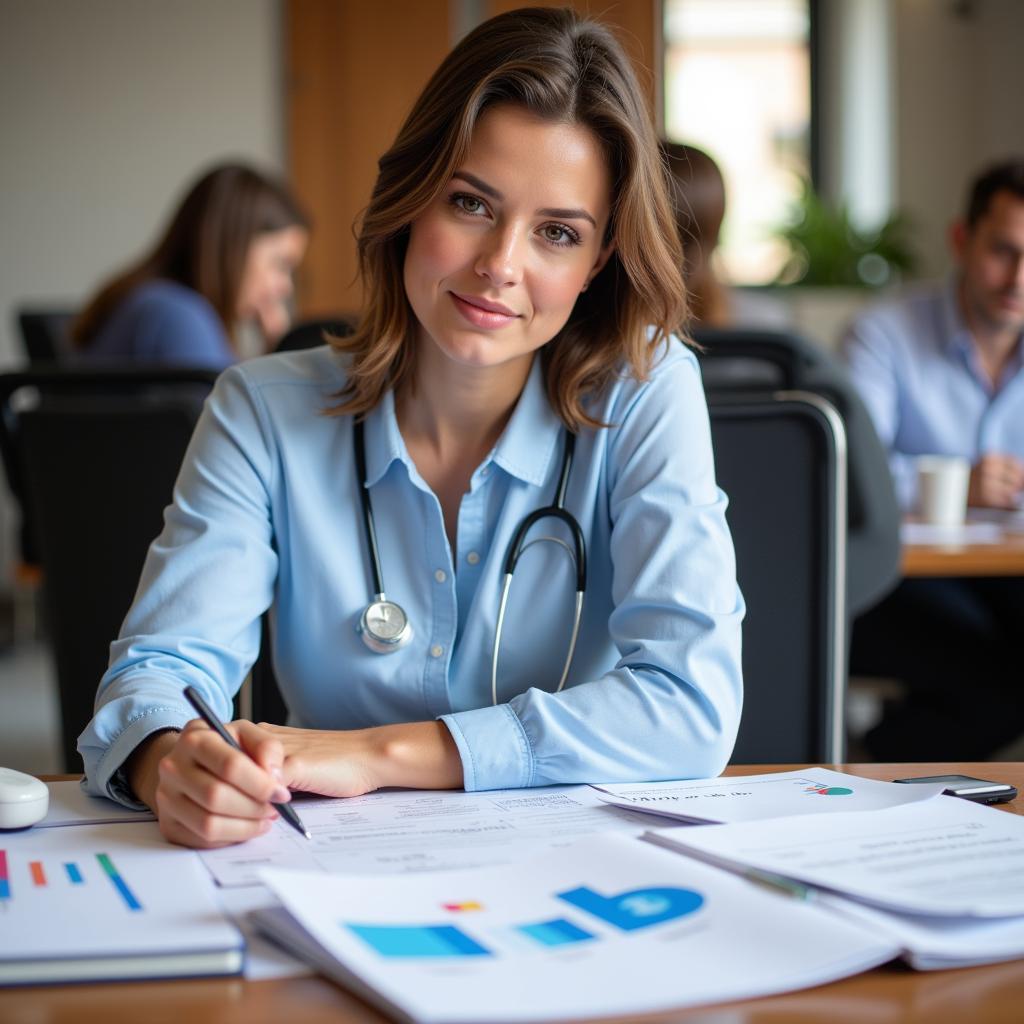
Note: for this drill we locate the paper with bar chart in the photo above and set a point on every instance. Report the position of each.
(758, 797)
(606, 926)
(107, 901)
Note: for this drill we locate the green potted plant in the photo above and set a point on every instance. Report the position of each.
(827, 248)
(833, 265)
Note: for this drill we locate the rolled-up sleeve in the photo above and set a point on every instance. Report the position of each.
(670, 707)
(207, 579)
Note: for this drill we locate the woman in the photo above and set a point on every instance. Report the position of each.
(226, 258)
(698, 192)
(521, 272)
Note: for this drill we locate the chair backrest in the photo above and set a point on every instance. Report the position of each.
(782, 461)
(93, 463)
(310, 333)
(44, 333)
(737, 361)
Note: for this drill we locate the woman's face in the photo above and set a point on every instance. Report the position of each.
(267, 278)
(496, 263)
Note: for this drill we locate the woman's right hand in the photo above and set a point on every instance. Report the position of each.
(205, 793)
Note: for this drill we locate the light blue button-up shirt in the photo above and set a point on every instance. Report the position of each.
(266, 515)
(916, 367)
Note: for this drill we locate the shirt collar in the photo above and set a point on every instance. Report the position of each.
(528, 444)
(524, 450)
(384, 444)
(956, 337)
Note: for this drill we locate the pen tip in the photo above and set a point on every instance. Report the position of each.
(307, 835)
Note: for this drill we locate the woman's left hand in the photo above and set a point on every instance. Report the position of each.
(420, 755)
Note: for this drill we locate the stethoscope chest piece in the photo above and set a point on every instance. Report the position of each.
(384, 626)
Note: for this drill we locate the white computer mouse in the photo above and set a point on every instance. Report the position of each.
(24, 800)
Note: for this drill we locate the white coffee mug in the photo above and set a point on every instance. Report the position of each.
(942, 488)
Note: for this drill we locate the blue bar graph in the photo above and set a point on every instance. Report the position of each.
(557, 932)
(119, 883)
(418, 940)
(74, 875)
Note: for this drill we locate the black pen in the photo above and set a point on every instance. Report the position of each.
(195, 698)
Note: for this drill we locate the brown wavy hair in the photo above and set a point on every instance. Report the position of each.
(205, 245)
(560, 67)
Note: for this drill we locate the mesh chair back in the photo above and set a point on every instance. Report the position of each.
(755, 363)
(44, 333)
(782, 460)
(94, 464)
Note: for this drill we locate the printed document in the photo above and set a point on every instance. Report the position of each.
(71, 805)
(399, 831)
(607, 926)
(944, 857)
(935, 943)
(757, 797)
(108, 901)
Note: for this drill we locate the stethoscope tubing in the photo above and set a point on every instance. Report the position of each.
(517, 547)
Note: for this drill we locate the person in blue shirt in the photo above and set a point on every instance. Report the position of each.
(941, 371)
(226, 258)
(516, 351)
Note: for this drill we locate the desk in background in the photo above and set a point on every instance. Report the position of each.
(891, 994)
(996, 548)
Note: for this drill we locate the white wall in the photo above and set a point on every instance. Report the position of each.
(107, 108)
(959, 90)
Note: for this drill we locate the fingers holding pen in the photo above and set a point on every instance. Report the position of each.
(209, 793)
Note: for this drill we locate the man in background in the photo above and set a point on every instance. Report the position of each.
(942, 372)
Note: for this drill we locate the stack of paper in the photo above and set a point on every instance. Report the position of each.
(943, 878)
(608, 926)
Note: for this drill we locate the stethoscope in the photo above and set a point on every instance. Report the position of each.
(385, 627)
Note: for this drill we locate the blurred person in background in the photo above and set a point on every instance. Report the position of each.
(942, 373)
(225, 259)
(698, 193)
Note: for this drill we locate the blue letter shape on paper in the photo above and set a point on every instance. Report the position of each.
(418, 940)
(636, 908)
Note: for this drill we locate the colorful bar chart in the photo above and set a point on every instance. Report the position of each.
(5, 881)
(118, 882)
(557, 932)
(418, 940)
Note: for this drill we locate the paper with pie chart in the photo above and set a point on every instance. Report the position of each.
(759, 797)
(607, 926)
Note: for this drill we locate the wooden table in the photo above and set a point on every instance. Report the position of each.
(892, 994)
(1004, 558)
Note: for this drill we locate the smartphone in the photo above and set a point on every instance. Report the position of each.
(981, 791)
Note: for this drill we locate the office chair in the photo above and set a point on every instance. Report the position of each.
(92, 465)
(737, 361)
(44, 333)
(310, 333)
(781, 458)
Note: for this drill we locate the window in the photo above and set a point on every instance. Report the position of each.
(738, 85)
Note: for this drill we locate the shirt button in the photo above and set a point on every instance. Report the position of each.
(440, 576)
(485, 471)
(472, 558)
(436, 651)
